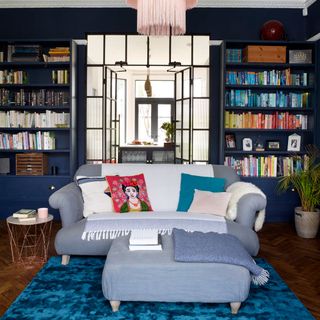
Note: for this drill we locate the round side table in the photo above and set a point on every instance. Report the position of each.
(29, 240)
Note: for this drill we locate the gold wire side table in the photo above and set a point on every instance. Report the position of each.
(29, 240)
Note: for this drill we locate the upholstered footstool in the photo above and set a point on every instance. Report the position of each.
(155, 276)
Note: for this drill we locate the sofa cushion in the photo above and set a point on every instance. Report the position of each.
(215, 203)
(163, 180)
(95, 195)
(191, 182)
(129, 193)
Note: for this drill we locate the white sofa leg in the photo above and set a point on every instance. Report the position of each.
(235, 306)
(65, 259)
(115, 305)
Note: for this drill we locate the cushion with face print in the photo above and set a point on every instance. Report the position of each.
(129, 193)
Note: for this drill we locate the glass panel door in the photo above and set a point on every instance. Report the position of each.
(110, 117)
(183, 107)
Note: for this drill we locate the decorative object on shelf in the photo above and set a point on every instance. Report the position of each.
(300, 56)
(305, 182)
(247, 144)
(31, 164)
(254, 53)
(4, 166)
(259, 145)
(294, 142)
(273, 145)
(230, 140)
(161, 17)
(272, 30)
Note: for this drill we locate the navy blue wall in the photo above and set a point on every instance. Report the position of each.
(313, 20)
(242, 24)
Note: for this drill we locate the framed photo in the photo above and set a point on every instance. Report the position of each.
(230, 141)
(259, 146)
(247, 144)
(273, 145)
(294, 142)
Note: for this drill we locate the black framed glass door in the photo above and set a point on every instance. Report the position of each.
(150, 114)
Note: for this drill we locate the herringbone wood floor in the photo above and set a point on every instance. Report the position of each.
(297, 261)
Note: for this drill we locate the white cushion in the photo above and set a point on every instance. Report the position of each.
(162, 180)
(215, 203)
(94, 198)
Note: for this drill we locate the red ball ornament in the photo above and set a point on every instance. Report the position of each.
(272, 30)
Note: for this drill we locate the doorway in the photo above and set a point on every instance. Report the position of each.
(183, 60)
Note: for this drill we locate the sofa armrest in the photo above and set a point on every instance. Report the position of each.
(69, 202)
(251, 210)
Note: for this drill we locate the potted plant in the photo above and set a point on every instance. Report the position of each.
(169, 129)
(306, 182)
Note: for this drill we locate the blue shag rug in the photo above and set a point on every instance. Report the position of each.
(74, 292)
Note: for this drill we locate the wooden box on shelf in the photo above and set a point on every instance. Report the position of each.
(31, 164)
(264, 54)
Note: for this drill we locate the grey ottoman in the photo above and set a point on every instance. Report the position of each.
(155, 276)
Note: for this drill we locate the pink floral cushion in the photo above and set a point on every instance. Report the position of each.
(210, 202)
(129, 193)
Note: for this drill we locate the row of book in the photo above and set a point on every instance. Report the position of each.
(60, 76)
(48, 119)
(24, 53)
(234, 55)
(276, 120)
(280, 99)
(273, 77)
(13, 77)
(57, 54)
(27, 141)
(268, 166)
(42, 97)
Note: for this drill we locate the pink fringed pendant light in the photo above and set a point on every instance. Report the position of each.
(156, 17)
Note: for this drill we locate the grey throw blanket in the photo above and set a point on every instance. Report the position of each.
(111, 225)
(214, 247)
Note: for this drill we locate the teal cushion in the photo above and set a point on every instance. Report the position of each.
(190, 182)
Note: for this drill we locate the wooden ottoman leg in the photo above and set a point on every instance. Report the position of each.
(115, 305)
(65, 259)
(235, 306)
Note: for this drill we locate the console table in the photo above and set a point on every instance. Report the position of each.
(146, 154)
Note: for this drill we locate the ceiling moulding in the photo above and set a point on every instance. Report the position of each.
(122, 4)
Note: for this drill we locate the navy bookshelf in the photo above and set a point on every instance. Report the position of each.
(17, 191)
(280, 207)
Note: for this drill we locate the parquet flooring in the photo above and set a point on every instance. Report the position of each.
(297, 261)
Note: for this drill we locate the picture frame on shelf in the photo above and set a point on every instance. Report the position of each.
(259, 145)
(247, 144)
(230, 141)
(273, 145)
(294, 142)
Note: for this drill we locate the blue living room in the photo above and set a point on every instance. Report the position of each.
(159, 159)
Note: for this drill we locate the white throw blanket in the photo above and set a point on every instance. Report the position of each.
(238, 190)
(111, 225)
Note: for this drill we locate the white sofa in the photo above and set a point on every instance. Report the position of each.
(163, 186)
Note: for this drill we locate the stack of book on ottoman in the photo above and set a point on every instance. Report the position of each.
(144, 240)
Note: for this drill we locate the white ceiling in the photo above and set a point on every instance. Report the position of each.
(298, 4)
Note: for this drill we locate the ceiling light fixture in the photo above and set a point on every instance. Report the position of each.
(161, 17)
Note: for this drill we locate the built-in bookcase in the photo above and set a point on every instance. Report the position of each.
(37, 115)
(262, 105)
(36, 102)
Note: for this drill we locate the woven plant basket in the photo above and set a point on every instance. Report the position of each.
(307, 223)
